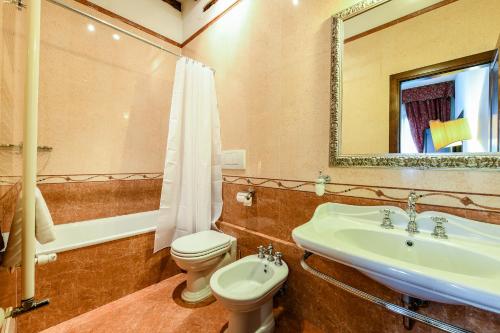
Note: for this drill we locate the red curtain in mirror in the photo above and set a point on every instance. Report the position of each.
(432, 102)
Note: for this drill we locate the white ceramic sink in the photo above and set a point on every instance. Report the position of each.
(463, 269)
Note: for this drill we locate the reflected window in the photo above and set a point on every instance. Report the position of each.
(450, 107)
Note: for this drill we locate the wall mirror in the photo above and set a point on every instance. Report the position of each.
(415, 84)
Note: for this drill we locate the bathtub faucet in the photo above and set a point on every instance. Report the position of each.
(27, 306)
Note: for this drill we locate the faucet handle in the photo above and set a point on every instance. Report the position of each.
(439, 229)
(270, 249)
(439, 219)
(262, 252)
(270, 256)
(278, 261)
(386, 221)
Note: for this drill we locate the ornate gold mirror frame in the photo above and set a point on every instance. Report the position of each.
(456, 160)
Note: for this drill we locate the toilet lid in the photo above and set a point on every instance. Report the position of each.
(200, 242)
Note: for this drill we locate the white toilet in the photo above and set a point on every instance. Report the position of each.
(246, 288)
(200, 255)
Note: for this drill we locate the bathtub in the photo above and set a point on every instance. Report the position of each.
(71, 236)
(70, 266)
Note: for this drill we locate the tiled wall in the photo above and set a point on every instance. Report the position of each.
(104, 108)
(278, 110)
(273, 86)
(86, 278)
(104, 103)
(313, 302)
(79, 201)
(83, 279)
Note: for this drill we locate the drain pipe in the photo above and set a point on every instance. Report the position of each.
(413, 304)
(387, 305)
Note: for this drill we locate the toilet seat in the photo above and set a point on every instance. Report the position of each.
(201, 244)
(204, 255)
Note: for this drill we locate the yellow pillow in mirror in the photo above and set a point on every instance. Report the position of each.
(448, 132)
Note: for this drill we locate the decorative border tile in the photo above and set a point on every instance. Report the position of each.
(482, 201)
(82, 178)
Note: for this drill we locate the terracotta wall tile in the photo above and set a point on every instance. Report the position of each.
(309, 299)
(86, 278)
(71, 202)
(276, 212)
(8, 201)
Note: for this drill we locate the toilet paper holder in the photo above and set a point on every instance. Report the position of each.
(250, 194)
(246, 198)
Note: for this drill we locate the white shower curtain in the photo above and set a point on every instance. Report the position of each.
(191, 197)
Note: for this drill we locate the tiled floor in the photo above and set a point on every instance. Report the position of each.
(154, 309)
(159, 308)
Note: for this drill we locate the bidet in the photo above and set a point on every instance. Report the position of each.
(246, 288)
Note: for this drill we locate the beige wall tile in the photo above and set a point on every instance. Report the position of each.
(258, 39)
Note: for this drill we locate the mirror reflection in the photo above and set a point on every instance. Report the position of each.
(421, 78)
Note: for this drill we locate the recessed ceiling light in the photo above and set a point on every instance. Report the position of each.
(295, 2)
(116, 37)
(90, 27)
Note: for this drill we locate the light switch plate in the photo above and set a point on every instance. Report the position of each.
(234, 159)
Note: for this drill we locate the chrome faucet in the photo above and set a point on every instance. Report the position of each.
(279, 260)
(439, 229)
(262, 252)
(412, 227)
(386, 221)
(270, 256)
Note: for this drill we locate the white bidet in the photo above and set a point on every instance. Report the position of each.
(246, 288)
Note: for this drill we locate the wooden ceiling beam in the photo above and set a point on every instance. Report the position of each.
(174, 3)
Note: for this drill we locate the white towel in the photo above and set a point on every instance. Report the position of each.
(44, 230)
(44, 226)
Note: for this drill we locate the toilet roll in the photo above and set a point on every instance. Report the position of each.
(245, 198)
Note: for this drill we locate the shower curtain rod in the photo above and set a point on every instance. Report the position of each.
(128, 33)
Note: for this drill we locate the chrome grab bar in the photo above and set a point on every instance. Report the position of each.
(389, 306)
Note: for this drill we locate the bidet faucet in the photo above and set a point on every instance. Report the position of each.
(412, 227)
(262, 252)
(270, 256)
(270, 249)
(279, 257)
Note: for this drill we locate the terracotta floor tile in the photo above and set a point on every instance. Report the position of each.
(153, 309)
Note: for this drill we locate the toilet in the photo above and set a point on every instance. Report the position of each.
(200, 254)
(246, 288)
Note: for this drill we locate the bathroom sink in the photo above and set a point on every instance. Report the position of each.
(463, 269)
(431, 255)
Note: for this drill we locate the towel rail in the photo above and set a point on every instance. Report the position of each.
(389, 306)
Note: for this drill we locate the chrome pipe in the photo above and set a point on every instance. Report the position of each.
(126, 32)
(389, 306)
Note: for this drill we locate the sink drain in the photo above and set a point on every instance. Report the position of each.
(409, 243)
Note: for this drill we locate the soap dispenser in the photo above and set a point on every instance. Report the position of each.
(320, 184)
